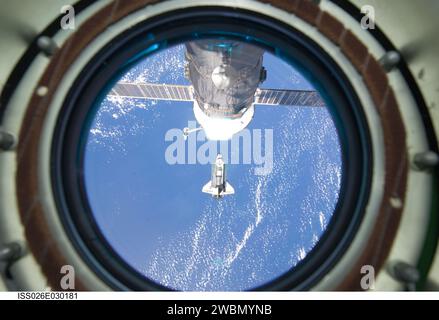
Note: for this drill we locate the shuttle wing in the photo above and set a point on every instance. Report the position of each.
(229, 189)
(208, 188)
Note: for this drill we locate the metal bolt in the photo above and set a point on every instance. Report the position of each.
(47, 45)
(396, 202)
(7, 140)
(425, 160)
(390, 60)
(42, 91)
(405, 273)
(10, 251)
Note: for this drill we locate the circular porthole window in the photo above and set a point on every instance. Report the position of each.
(149, 180)
(219, 153)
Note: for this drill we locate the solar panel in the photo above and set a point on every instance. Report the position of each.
(299, 98)
(152, 91)
(271, 97)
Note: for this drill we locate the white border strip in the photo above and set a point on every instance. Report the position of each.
(271, 296)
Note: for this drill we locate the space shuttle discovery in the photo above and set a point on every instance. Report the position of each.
(218, 186)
